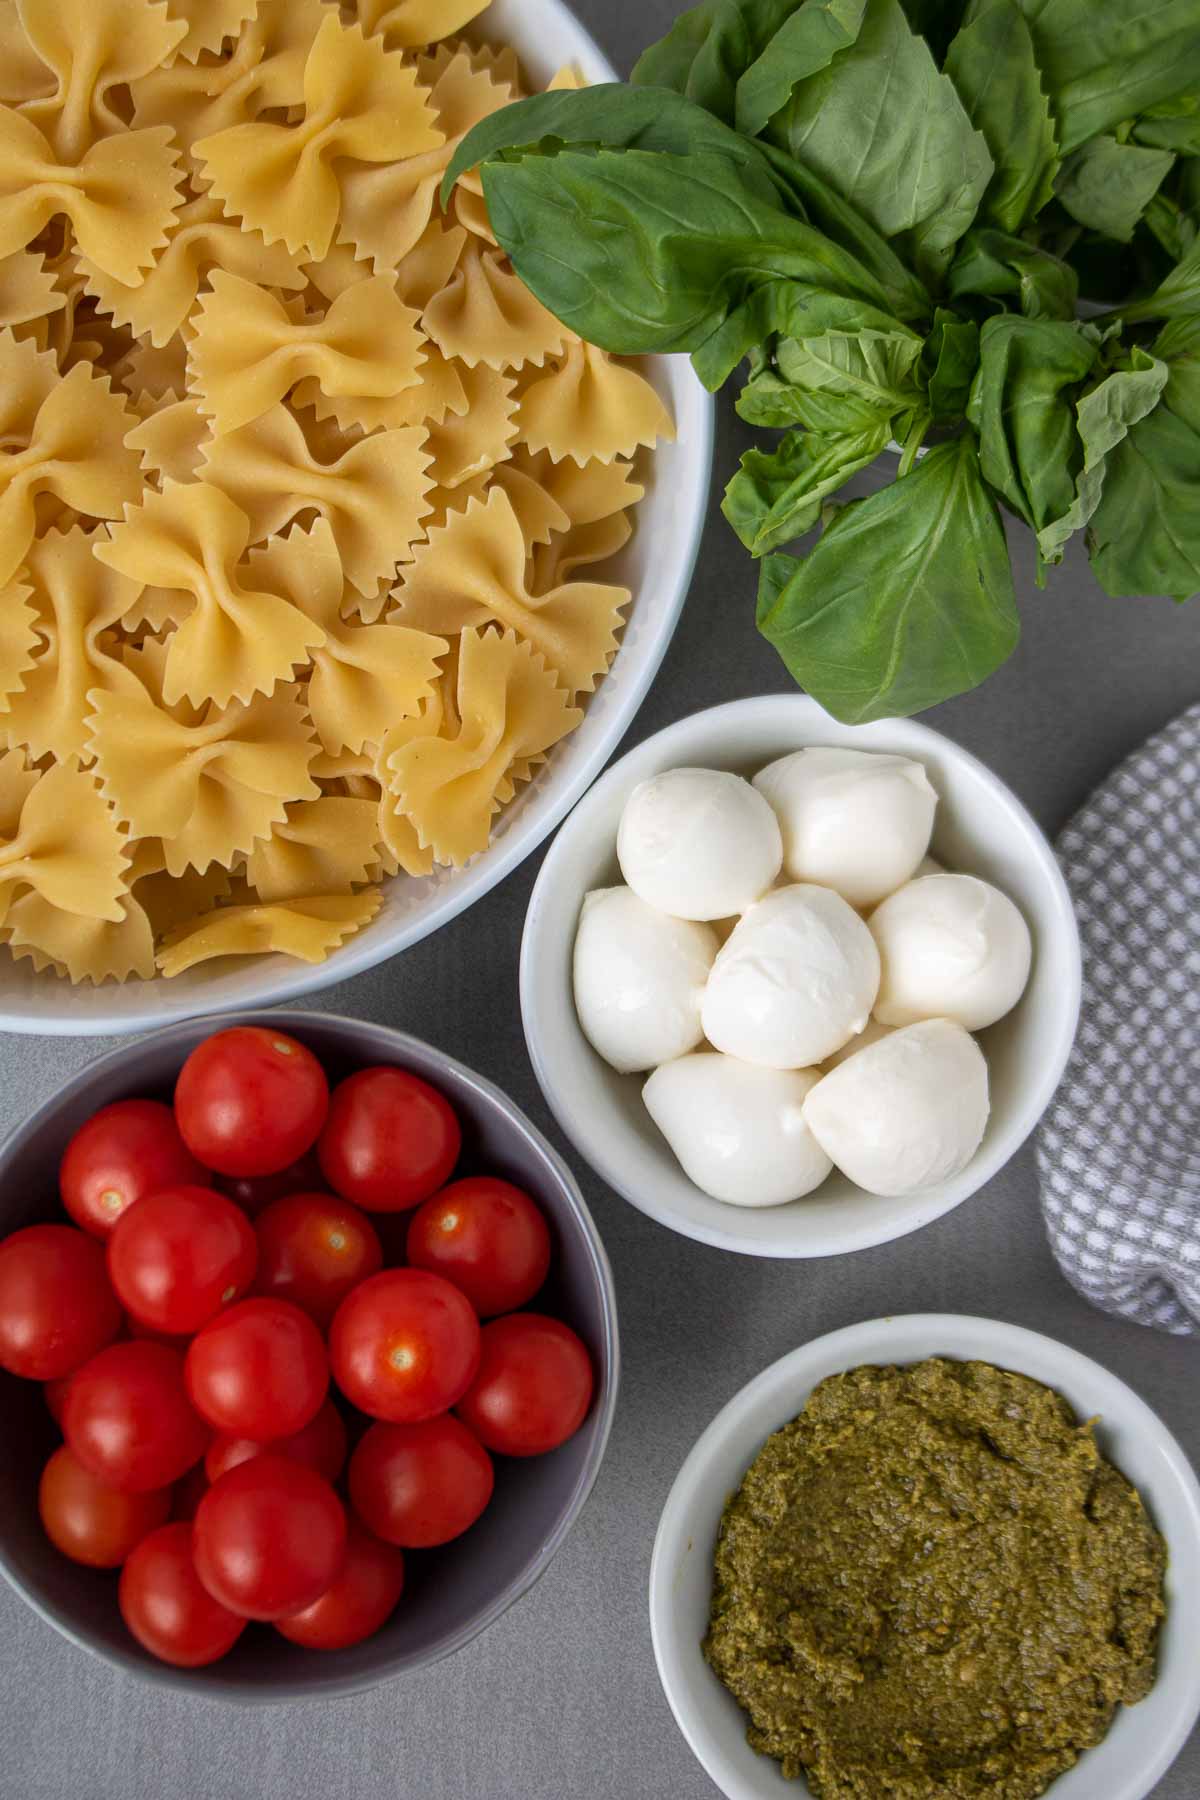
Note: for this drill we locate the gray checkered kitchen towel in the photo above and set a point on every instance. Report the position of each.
(1119, 1148)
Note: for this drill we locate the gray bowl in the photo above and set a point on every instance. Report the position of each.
(451, 1594)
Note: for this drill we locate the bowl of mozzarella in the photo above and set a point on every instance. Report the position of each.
(795, 988)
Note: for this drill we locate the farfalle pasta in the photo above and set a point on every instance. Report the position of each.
(305, 500)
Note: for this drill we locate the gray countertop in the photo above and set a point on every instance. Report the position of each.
(561, 1696)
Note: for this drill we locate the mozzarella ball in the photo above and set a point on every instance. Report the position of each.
(906, 1113)
(871, 1033)
(639, 978)
(951, 947)
(737, 1130)
(698, 843)
(853, 820)
(797, 977)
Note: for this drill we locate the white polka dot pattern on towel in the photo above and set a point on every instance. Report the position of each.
(1119, 1149)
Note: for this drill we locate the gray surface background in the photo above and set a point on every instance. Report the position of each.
(561, 1697)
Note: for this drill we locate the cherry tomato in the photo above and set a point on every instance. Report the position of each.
(312, 1249)
(404, 1345)
(250, 1101)
(259, 1370)
(188, 1493)
(487, 1237)
(362, 1598)
(270, 1538)
(92, 1523)
(420, 1485)
(54, 1393)
(124, 1152)
(253, 1192)
(321, 1445)
(181, 1255)
(533, 1388)
(166, 1607)
(56, 1306)
(390, 1140)
(128, 1419)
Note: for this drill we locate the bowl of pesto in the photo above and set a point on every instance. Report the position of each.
(937, 1558)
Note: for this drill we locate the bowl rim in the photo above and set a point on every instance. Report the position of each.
(216, 1688)
(500, 858)
(799, 711)
(902, 1338)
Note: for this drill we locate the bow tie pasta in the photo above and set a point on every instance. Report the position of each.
(305, 500)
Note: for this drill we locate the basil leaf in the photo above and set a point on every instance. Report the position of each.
(886, 130)
(992, 265)
(1104, 416)
(735, 34)
(1174, 298)
(992, 65)
(1108, 60)
(776, 495)
(950, 359)
(774, 572)
(1173, 227)
(850, 382)
(803, 46)
(1145, 532)
(1174, 125)
(668, 64)
(781, 308)
(906, 599)
(815, 200)
(1108, 186)
(1178, 345)
(639, 251)
(1022, 407)
(615, 117)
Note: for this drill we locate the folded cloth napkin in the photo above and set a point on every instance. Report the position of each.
(1119, 1149)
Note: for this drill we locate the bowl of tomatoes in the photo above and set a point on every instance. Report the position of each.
(308, 1356)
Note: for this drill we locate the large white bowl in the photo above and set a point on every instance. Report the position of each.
(1144, 1740)
(657, 565)
(981, 829)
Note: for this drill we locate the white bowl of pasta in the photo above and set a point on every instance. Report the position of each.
(360, 565)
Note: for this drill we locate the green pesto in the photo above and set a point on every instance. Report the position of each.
(931, 1585)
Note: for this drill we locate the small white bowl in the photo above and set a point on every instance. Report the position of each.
(981, 829)
(656, 564)
(1144, 1740)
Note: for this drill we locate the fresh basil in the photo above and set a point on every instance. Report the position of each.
(1022, 407)
(992, 65)
(889, 132)
(776, 495)
(1107, 185)
(885, 212)
(905, 600)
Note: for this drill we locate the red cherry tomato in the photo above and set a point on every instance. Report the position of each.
(390, 1140)
(259, 1370)
(487, 1237)
(167, 1609)
(533, 1388)
(404, 1345)
(128, 1419)
(250, 1101)
(321, 1445)
(420, 1485)
(312, 1249)
(92, 1523)
(56, 1306)
(180, 1256)
(124, 1152)
(270, 1538)
(362, 1598)
(253, 1192)
(188, 1493)
(54, 1393)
